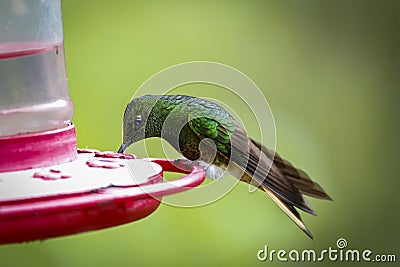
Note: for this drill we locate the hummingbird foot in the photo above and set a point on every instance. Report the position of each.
(179, 162)
(213, 172)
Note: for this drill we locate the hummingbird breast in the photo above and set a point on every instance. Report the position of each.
(189, 144)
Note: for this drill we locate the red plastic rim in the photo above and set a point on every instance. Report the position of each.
(37, 150)
(59, 215)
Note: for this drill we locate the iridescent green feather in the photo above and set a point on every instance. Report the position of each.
(217, 125)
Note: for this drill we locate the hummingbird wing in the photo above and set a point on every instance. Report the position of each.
(261, 168)
(283, 183)
(300, 179)
(232, 142)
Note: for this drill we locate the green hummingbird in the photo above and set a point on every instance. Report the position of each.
(207, 135)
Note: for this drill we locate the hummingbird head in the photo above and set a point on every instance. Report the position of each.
(139, 120)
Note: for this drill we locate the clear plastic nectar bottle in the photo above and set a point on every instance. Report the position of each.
(33, 80)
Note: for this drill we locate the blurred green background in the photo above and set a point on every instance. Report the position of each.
(330, 71)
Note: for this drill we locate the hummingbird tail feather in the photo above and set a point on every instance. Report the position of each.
(289, 211)
(264, 171)
(299, 178)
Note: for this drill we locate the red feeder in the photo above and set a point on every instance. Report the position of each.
(95, 191)
(48, 188)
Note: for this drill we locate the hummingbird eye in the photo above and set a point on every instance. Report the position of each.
(138, 121)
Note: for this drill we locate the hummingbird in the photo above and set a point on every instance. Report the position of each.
(207, 135)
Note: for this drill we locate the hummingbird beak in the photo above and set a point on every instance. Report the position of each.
(122, 148)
